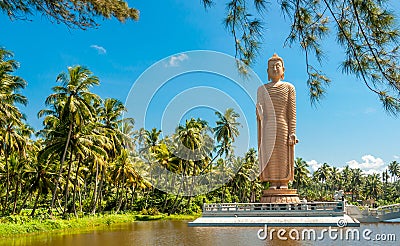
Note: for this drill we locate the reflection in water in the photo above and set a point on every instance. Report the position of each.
(178, 233)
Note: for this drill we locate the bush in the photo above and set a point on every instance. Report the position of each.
(150, 211)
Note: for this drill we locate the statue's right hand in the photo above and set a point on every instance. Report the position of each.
(293, 139)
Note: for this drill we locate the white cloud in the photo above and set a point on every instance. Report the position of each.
(370, 110)
(174, 61)
(396, 157)
(369, 164)
(100, 50)
(372, 171)
(313, 165)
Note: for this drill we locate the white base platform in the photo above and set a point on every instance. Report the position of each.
(298, 221)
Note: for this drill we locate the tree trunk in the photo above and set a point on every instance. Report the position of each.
(100, 199)
(67, 183)
(126, 199)
(61, 168)
(35, 204)
(75, 184)
(7, 183)
(166, 194)
(122, 192)
(30, 191)
(172, 210)
(24, 201)
(17, 185)
(133, 195)
(94, 199)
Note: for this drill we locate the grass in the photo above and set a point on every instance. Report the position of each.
(21, 225)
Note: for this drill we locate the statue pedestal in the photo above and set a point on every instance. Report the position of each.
(280, 196)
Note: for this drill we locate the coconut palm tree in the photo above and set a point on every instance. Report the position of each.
(394, 170)
(72, 105)
(41, 182)
(385, 176)
(150, 139)
(335, 179)
(9, 89)
(193, 145)
(252, 165)
(123, 170)
(14, 139)
(373, 186)
(301, 173)
(356, 182)
(226, 130)
(346, 178)
(10, 116)
(110, 123)
(323, 173)
(110, 115)
(90, 144)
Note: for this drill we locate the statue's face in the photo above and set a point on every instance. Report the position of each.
(275, 69)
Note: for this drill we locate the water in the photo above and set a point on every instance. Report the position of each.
(178, 233)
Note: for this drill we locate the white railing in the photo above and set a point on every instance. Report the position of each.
(394, 208)
(382, 213)
(338, 206)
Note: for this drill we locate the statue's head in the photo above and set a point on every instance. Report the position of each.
(276, 67)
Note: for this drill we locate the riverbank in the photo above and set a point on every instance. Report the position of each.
(22, 225)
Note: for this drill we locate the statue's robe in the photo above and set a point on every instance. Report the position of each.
(277, 162)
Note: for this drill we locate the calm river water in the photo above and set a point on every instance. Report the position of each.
(178, 233)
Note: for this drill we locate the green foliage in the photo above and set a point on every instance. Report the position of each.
(322, 184)
(150, 211)
(73, 13)
(12, 225)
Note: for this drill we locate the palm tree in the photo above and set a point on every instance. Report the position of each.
(356, 182)
(123, 172)
(151, 139)
(40, 182)
(240, 183)
(346, 178)
(192, 140)
(72, 104)
(385, 176)
(373, 186)
(110, 115)
(21, 136)
(301, 173)
(9, 89)
(110, 126)
(90, 145)
(335, 179)
(10, 116)
(193, 146)
(323, 173)
(15, 137)
(394, 170)
(252, 164)
(226, 130)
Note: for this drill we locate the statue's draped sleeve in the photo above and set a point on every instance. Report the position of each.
(259, 114)
(291, 111)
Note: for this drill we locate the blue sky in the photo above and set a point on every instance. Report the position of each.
(348, 126)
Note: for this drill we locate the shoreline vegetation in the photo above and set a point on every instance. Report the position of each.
(22, 225)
